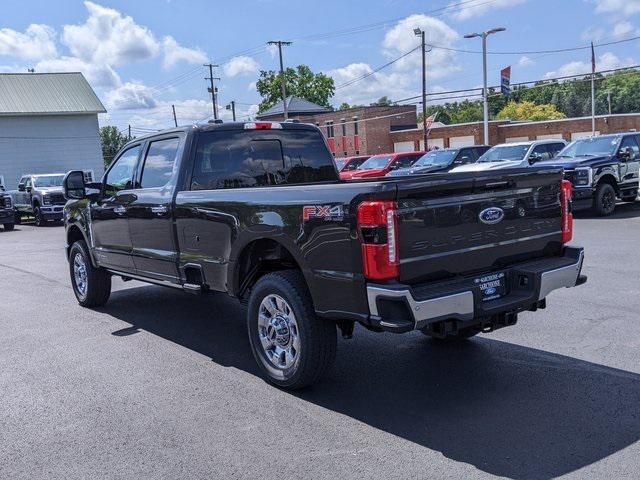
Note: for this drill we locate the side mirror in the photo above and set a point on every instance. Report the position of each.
(74, 186)
(21, 187)
(625, 153)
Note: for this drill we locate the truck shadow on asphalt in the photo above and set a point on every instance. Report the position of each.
(509, 410)
(622, 211)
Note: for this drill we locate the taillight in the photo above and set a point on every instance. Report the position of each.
(378, 229)
(567, 216)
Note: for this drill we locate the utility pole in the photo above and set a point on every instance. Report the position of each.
(593, 91)
(280, 43)
(129, 132)
(232, 107)
(212, 89)
(485, 99)
(425, 133)
(175, 120)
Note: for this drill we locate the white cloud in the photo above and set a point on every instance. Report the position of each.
(401, 39)
(36, 43)
(108, 37)
(480, 7)
(617, 7)
(175, 53)
(606, 61)
(241, 66)
(395, 85)
(131, 96)
(252, 87)
(98, 75)
(525, 62)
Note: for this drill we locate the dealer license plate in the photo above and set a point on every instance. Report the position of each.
(491, 286)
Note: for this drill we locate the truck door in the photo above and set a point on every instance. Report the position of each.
(151, 212)
(632, 165)
(110, 236)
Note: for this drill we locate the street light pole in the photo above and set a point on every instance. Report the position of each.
(280, 43)
(419, 32)
(485, 96)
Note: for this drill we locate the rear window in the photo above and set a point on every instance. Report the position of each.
(241, 158)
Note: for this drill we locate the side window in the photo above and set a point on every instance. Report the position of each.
(27, 182)
(466, 155)
(629, 141)
(554, 149)
(405, 161)
(539, 153)
(121, 173)
(159, 163)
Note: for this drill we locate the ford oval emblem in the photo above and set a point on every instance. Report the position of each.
(490, 291)
(491, 215)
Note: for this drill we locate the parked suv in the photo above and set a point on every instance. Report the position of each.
(601, 169)
(513, 155)
(380, 165)
(40, 196)
(7, 212)
(442, 160)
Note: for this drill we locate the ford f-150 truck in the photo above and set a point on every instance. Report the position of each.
(257, 210)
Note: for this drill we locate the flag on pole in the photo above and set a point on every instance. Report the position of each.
(505, 81)
(429, 121)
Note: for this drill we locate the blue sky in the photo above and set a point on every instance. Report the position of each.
(141, 57)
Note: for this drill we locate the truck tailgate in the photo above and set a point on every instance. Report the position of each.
(461, 224)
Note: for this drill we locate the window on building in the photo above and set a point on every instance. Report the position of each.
(356, 130)
(330, 132)
(159, 163)
(344, 127)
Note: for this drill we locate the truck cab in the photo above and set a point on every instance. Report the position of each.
(601, 170)
(40, 196)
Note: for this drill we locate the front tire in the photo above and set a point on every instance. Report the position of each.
(605, 200)
(91, 285)
(8, 226)
(39, 219)
(292, 347)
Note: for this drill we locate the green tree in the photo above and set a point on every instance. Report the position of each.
(529, 111)
(382, 102)
(346, 106)
(111, 140)
(300, 82)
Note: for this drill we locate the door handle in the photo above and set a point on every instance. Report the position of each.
(159, 209)
(119, 209)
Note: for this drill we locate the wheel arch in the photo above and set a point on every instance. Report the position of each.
(610, 179)
(258, 257)
(75, 233)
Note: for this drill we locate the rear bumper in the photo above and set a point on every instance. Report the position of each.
(402, 308)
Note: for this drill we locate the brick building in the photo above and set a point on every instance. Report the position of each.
(363, 130)
(502, 131)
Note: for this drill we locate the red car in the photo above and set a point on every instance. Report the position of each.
(380, 165)
(346, 164)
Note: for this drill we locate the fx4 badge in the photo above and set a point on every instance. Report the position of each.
(327, 212)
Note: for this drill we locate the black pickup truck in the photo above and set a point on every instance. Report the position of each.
(257, 210)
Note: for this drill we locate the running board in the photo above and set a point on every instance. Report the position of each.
(192, 288)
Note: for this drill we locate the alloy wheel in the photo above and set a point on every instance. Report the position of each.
(278, 332)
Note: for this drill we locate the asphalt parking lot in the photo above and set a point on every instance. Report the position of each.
(162, 384)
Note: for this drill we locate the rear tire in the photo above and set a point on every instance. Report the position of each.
(605, 200)
(292, 347)
(8, 227)
(91, 285)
